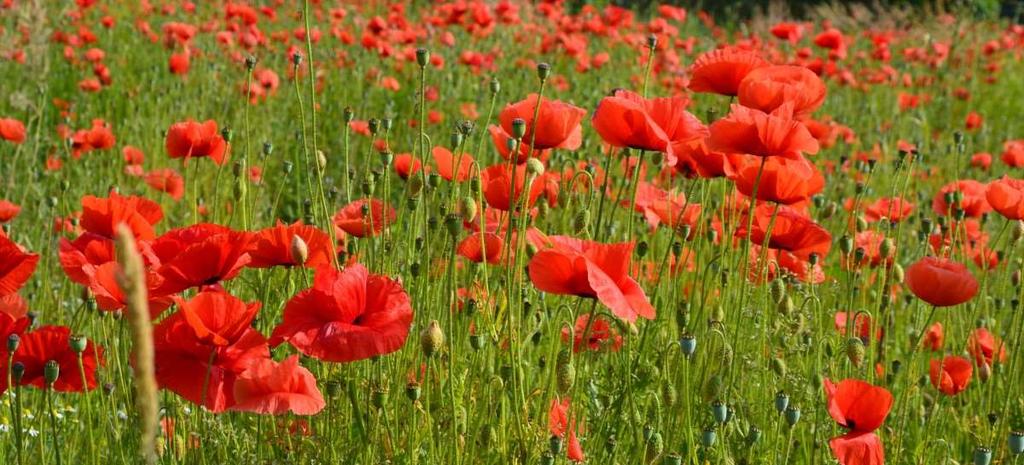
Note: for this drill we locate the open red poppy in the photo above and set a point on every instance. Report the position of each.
(53, 343)
(753, 132)
(190, 139)
(950, 375)
(273, 246)
(557, 126)
(102, 215)
(271, 388)
(16, 266)
(941, 282)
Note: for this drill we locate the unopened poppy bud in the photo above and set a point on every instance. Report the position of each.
(373, 125)
(250, 62)
(287, 166)
(778, 366)
(495, 85)
(415, 186)
(12, 343)
(984, 372)
(518, 128)
(712, 388)
(474, 185)
(655, 446)
(781, 401)
(829, 210)
(78, 343)
(17, 372)
(792, 415)
(347, 115)
(1015, 277)
(668, 394)
(367, 186)
(50, 372)
(982, 456)
(717, 314)
(855, 351)
(543, 71)
(581, 221)
(862, 223)
(858, 254)
(846, 244)
(565, 372)
(467, 209)
(555, 445)
(299, 250)
(386, 157)
(886, 248)
(64, 185)
(52, 202)
(546, 458)
(1018, 230)
(534, 167)
(897, 273)
(1016, 442)
(422, 57)
(641, 249)
(431, 339)
(455, 138)
(778, 290)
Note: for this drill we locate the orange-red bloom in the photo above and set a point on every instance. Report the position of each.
(626, 119)
(941, 282)
(189, 139)
(273, 246)
(16, 266)
(783, 180)
(754, 132)
(53, 343)
(770, 87)
(972, 201)
(1006, 196)
(557, 126)
(570, 266)
(720, 71)
(102, 215)
(12, 130)
(950, 375)
(272, 388)
(861, 408)
(365, 217)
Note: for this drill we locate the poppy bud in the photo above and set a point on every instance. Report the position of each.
(12, 343)
(555, 445)
(778, 290)
(415, 186)
(545, 459)
(858, 254)
(641, 249)
(792, 415)
(655, 446)
(982, 455)
(534, 167)
(829, 210)
(781, 401)
(467, 209)
(422, 57)
(707, 437)
(886, 248)
(367, 187)
(50, 372)
(386, 156)
(581, 221)
(779, 367)
(78, 343)
(1018, 230)
(17, 372)
(250, 62)
(299, 250)
(855, 351)
(717, 314)
(64, 185)
(1016, 442)
(474, 185)
(565, 372)
(412, 391)
(287, 166)
(348, 114)
(1015, 277)
(657, 158)
(688, 345)
(668, 394)
(455, 139)
(543, 71)
(862, 223)
(652, 41)
(431, 339)
(296, 59)
(712, 388)
(846, 245)
(897, 273)
(518, 128)
(414, 269)
(984, 372)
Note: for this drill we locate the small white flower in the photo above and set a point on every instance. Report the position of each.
(122, 415)
(4, 427)
(33, 432)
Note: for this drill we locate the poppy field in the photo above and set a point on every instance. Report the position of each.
(462, 232)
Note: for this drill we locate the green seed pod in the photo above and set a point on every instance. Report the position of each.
(50, 372)
(855, 351)
(412, 391)
(379, 397)
(518, 128)
(565, 373)
(348, 114)
(17, 372)
(467, 209)
(433, 180)
(422, 57)
(669, 394)
(268, 149)
(453, 223)
(495, 85)
(897, 273)
(641, 249)
(415, 185)
(78, 343)
(792, 415)
(455, 140)
(718, 314)
(829, 211)
(13, 341)
(476, 341)
(846, 245)
(778, 290)
(886, 248)
(862, 224)
(543, 71)
(652, 41)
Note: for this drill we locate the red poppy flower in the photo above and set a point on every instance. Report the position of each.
(16, 266)
(179, 63)
(934, 337)
(661, 206)
(102, 215)
(208, 342)
(353, 220)
(8, 211)
(754, 132)
(791, 32)
(557, 126)
(189, 139)
(720, 71)
(407, 165)
(861, 408)
(982, 160)
(167, 180)
(792, 232)
(13, 318)
(273, 246)
(941, 282)
(984, 346)
(973, 201)
(769, 87)
(861, 327)
(783, 180)
(53, 343)
(133, 155)
(694, 158)
(570, 266)
(1013, 153)
(950, 375)
(1006, 196)
(893, 209)
(558, 424)
(476, 245)
(204, 262)
(271, 388)
(80, 257)
(346, 316)
(446, 162)
(12, 130)
(105, 288)
(497, 185)
(626, 119)
(600, 335)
